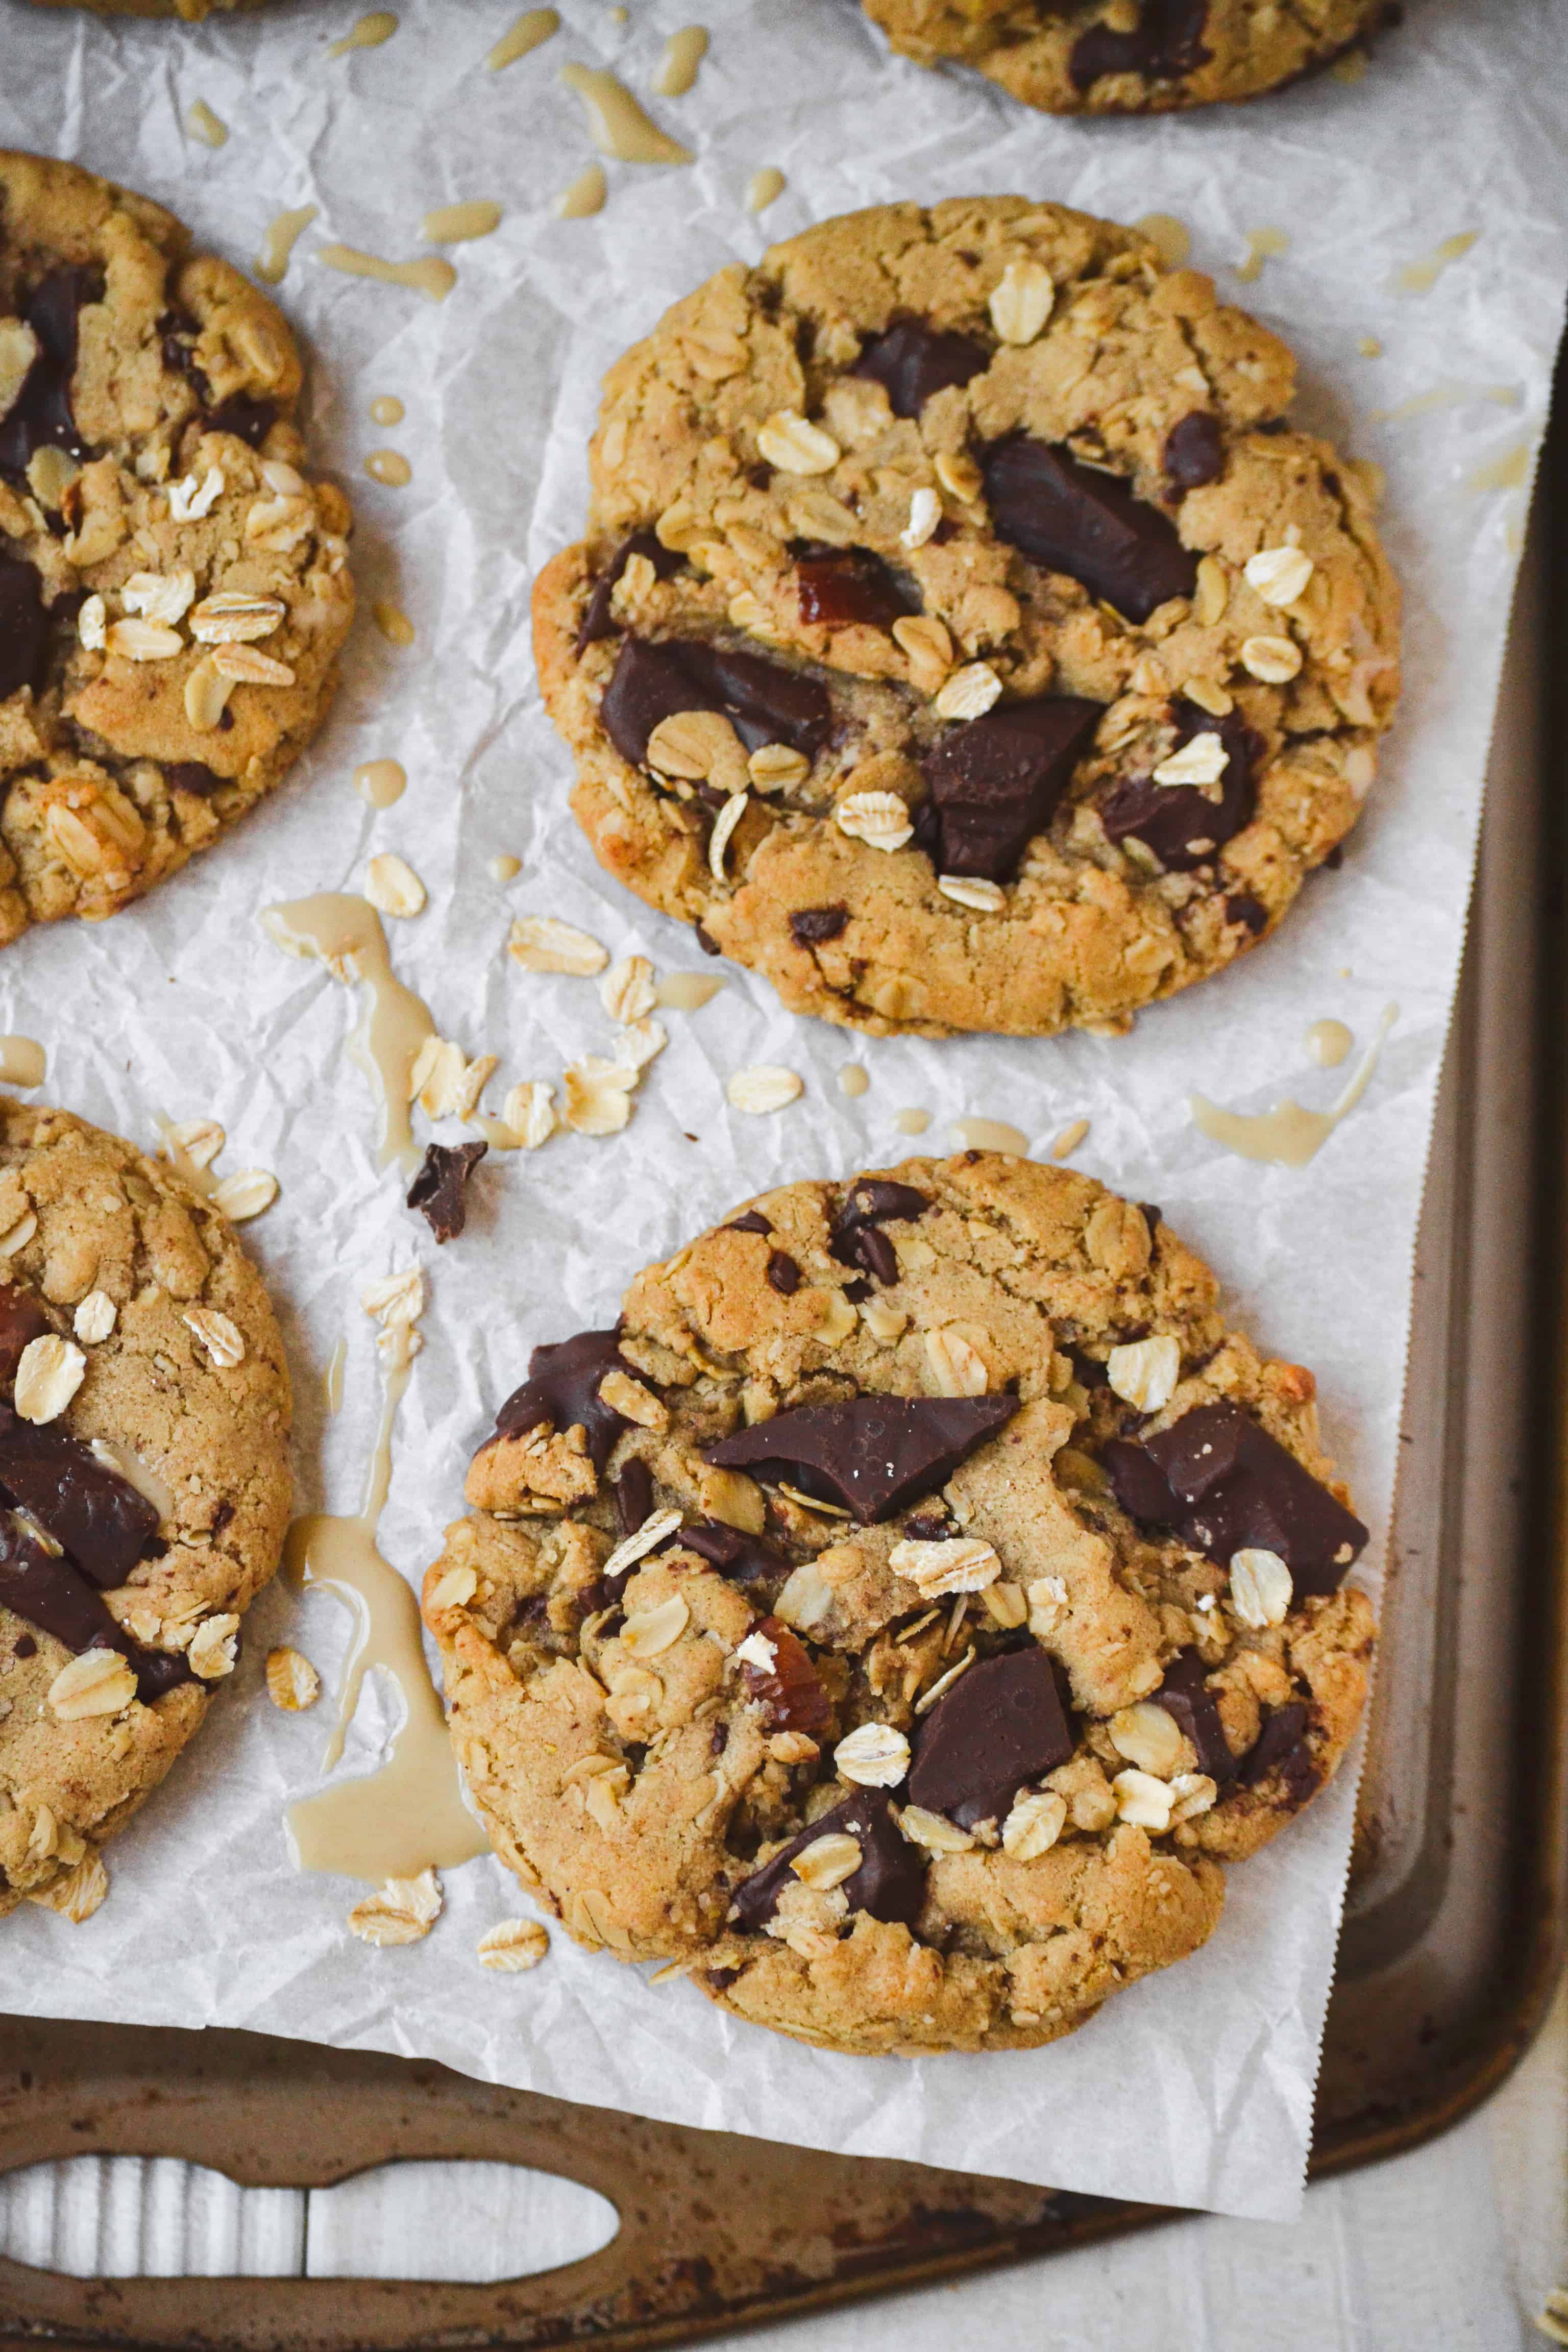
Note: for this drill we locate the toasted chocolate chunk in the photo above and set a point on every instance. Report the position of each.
(193, 776)
(1178, 822)
(753, 1221)
(784, 1273)
(890, 1883)
(871, 1455)
(856, 1239)
(562, 1387)
(250, 420)
(101, 1521)
(439, 1192)
(765, 702)
(40, 416)
(1194, 451)
(1167, 41)
(22, 1320)
(813, 927)
(1281, 1746)
(744, 1559)
(44, 1588)
(838, 585)
(911, 360)
(1221, 1483)
(1092, 526)
(634, 1495)
(1001, 1725)
(599, 620)
(788, 1691)
(995, 782)
(1185, 1696)
(23, 627)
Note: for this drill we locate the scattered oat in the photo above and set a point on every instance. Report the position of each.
(968, 692)
(1192, 1793)
(98, 1682)
(597, 1096)
(94, 1319)
(455, 1589)
(763, 1086)
(1142, 1801)
(881, 820)
(973, 891)
(1068, 1141)
(199, 1140)
(223, 1340)
(925, 513)
(404, 1910)
(1022, 301)
(444, 1083)
(246, 1193)
(633, 1401)
(1145, 1372)
(933, 1831)
(627, 991)
(1034, 1825)
(655, 1529)
(956, 1364)
(943, 1684)
(514, 1946)
(143, 641)
(774, 767)
(392, 887)
(543, 943)
(189, 500)
(639, 1042)
(1260, 1587)
(47, 1376)
(1145, 1735)
(1278, 574)
(1202, 760)
(647, 1632)
(724, 825)
(951, 1564)
(794, 446)
(292, 1682)
(396, 1298)
(246, 667)
(877, 1755)
(163, 597)
(1272, 660)
(214, 1645)
(234, 616)
(530, 1111)
(206, 697)
(92, 625)
(76, 1895)
(18, 1235)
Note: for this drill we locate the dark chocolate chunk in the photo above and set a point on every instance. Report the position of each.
(890, 1883)
(744, 1559)
(562, 1387)
(248, 419)
(23, 627)
(784, 1273)
(856, 1239)
(193, 776)
(788, 1691)
(1281, 1746)
(753, 1221)
(812, 927)
(1194, 451)
(597, 619)
(1185, 1696)
(98, 1516)
(40, 416)
(22, 1320)
(634, 1495)
(439, 1192)
(765, 702)
(1072, 517)
(927, 1527)
(1242, 908)
(1166, 41)
(44, 1588)
(24, 1646)
(911, 360)
(871, 1455)
(1225, 1485)
(1178, 822)
(1001, 1725)
(838, 585)
(996, 782)
(709, 947)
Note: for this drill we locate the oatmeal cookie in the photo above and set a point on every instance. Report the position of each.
(963, 638)
(1130, 57)
(143, 1486)
(173, 590)
(901, 1615)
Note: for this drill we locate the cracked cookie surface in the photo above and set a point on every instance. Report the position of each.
(1129, 57)
(145, 1485)
(173, 590)
(838, 1626)
(963, 638)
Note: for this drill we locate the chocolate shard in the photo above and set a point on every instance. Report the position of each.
(634, 1495)
(439, 1190)
(193, 776)
(890, 1883)
(98, 1517)
(248, 419)
(856, 1240)
(1194, 451)
(783, 1272)
(562, 1387)
(753, 1221)
(1166, 41)
(1221, 1483)
(1001, 1725)
(840, 586)
(788, 1692)
(744, 1559)
(1185, 1696)
(996, 782)
(40, 416)
(813, 927)
(599, 620)
(1281, 1746)
(1178, 822)
(23, 627)
(765, 702)
(911, 360)
(42, 1587)
(871, 1455)
(1073, 518)
(22, 1320)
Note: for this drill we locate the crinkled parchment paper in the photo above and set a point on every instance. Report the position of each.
(1195, 2086)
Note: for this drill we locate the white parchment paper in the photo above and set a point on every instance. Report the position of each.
(1195, 2087)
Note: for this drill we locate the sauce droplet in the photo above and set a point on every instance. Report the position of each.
(764, 188)
(533, 26)
(1370, 348)
(386, 409)
(333, 1378)
(616, 124)
(22, 1062)
(1328, 1043)
(460, 224)
(1508, 472)
(393, 621)
(381, 783)
(912, 1121)
(1172, 238)
(344, 932)
(854, 1078)
(1449, 396)
(432, 277)
(204, 124)
(1288, 1135)
(683, 53)
(989, 1135)
(585, 195)
(282, 236)
(389, 466)
(368, 34)
(505, 868)
(1262, 245)
(1420, 277)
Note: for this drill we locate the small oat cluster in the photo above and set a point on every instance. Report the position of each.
(396, 1302)
(192, 1145)
(403, 1910)
(596, 1092)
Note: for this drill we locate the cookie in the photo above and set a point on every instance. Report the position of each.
(143, 1486)
(1129, 57)
(903, 1613)
(963, 638)
(173, 590)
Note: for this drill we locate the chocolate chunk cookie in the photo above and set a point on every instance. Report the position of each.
(963, 638)
(904, 1648)
(173, 590)
(1129, 57)
(143, 1486)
